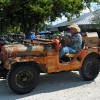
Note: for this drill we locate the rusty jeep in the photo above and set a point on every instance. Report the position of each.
(23, 63)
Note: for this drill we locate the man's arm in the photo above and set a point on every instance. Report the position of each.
(64, 37)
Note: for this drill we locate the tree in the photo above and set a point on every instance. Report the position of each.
(28, 14)
(96, 19)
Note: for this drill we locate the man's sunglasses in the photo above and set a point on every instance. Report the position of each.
(72, 28)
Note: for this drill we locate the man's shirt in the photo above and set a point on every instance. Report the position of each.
(32, 36)
(76, 42)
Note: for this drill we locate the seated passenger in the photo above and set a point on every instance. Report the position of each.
(74, 42)
(54, 38)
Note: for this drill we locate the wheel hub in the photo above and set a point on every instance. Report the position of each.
(90, 68)
(24, 79)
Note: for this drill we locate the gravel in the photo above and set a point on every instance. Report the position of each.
(57, 86)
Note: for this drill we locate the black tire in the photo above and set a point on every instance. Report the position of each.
(3, 72)
(90, 68)
(1, 68)
(22, 78)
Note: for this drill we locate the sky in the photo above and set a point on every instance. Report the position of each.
(93, 7)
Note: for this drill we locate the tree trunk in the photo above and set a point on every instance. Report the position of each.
(27, 33)
(36, 28)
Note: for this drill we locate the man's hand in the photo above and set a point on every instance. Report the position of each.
(58, 34)
(64, 37)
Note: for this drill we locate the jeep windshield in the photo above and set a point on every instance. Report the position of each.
(39, 40)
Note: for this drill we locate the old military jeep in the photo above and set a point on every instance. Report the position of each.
(24, 62)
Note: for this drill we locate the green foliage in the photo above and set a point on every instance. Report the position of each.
(96, 20)
(29, 14)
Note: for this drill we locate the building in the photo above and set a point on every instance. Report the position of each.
(84, 21)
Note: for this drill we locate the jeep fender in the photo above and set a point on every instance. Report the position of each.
(10, 61)
(83, 54)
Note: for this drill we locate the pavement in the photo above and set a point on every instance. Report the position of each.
(57, 86)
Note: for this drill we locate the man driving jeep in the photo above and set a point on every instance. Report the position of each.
(74, 42)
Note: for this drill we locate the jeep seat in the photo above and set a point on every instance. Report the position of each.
(70, 55)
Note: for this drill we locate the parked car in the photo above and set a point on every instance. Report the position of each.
(2, 43)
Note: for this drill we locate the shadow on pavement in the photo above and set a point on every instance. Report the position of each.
(47, 83)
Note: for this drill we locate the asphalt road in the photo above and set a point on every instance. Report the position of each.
(59, 86)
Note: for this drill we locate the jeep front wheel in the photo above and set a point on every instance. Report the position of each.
(22, 78)
(90, 68)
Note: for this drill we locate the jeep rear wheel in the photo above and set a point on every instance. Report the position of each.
(22, 78)
(90, 68)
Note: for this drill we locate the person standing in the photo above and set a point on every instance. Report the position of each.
(32, 36)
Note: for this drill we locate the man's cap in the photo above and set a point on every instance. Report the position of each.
(75, 26)
(54, 36)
